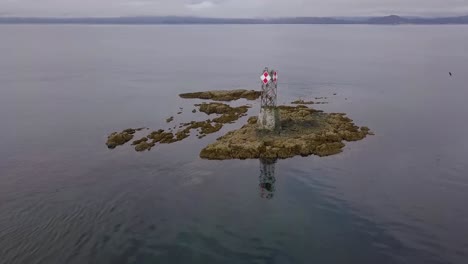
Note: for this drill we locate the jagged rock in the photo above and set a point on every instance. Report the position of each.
(229, 114)
(142, 146)
(117, 139)
(136, 142)
(252, 120)
(303, 132)
(219, 108)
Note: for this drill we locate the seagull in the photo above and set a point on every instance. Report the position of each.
(450, 73)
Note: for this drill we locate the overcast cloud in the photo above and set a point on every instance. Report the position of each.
(232, 8)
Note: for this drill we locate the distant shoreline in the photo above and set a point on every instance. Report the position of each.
(174, 20)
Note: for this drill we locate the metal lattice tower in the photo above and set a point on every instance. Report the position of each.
(267, 178)
(269, 118)
(269, 88)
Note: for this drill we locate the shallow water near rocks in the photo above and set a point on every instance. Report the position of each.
(396, 197)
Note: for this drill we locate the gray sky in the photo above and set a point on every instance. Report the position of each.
(232, 8)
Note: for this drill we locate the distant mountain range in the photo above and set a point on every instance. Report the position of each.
(384, 20)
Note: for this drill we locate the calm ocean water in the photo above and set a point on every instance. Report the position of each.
(397, 197)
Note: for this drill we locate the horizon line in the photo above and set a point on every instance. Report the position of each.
(189, 20)
(212, 17)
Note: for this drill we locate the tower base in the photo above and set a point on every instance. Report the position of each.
(269, 119)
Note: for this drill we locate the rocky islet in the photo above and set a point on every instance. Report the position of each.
(304, 131)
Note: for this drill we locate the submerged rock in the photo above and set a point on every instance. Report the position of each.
(133, 130)
(161, 136)
(303, 132)
(223, 95)
(170, 119)
(302, 102)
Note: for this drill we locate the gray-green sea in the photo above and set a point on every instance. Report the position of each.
(396, 197)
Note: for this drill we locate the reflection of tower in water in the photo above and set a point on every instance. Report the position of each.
(267, 178)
